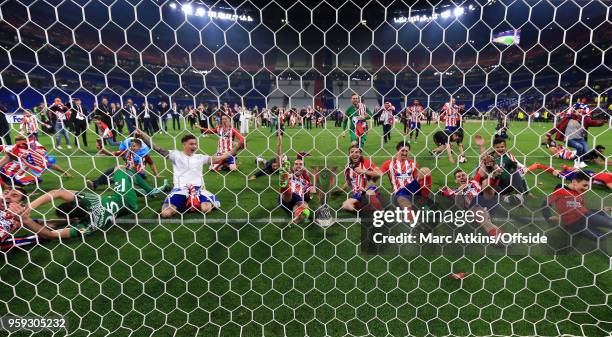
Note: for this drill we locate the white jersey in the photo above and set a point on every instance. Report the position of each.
(188, 170)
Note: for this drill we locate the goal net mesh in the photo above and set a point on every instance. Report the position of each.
(242, 269)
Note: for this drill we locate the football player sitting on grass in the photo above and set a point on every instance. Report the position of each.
(469, 194)
(88, 212)
(361, 176)
(230, 140)
(572, 213)
(295, 185)
(136, 156)
(189, 193)
(510, 181)
(407, 180)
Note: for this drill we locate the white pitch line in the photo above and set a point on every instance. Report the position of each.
(256, 221)
(218, 221)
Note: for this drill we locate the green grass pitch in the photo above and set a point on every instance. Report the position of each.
(256, 277)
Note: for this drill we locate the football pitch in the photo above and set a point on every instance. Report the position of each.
(242, 271)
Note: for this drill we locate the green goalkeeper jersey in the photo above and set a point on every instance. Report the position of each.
(103, 209)
(352, 116)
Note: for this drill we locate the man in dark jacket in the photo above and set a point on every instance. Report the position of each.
(79, 121)
(103, 111)
(5, 129)
(131, 115)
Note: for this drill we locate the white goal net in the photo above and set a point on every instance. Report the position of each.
(305, 168)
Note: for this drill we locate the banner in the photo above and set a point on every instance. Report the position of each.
(14, 118)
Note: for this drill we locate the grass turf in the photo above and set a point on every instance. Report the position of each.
(266, 279)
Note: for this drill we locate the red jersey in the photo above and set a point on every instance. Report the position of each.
(26, 157)
(451, 114)
(104, 131)
(401, 172)
(299, 184)
(569, 204)
(8, 224)
(28, 124)
(414, 113)
(359, 182)
(563, 153)
(227, 135)
(471, 191)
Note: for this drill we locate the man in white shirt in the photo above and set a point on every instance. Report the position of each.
(245, 119)
(189, 193)
(387, 118)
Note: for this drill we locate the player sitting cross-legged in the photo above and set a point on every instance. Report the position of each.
(295, 185)
(189, 193)
(407, 180)
(361, 175)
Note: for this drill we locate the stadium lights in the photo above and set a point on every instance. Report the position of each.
(188, 9)
(456, 12)
(201, 72)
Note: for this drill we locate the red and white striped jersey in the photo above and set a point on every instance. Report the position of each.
(227, 135)
(401, 172)
(299, 184)
(18, 173)
(451, 115)
(32, 158)
(29, 124)
(563, 153)
(359, 182)
(471, 191)
(8, 224)
(104, 130)
(386, 116)
(414, 113)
